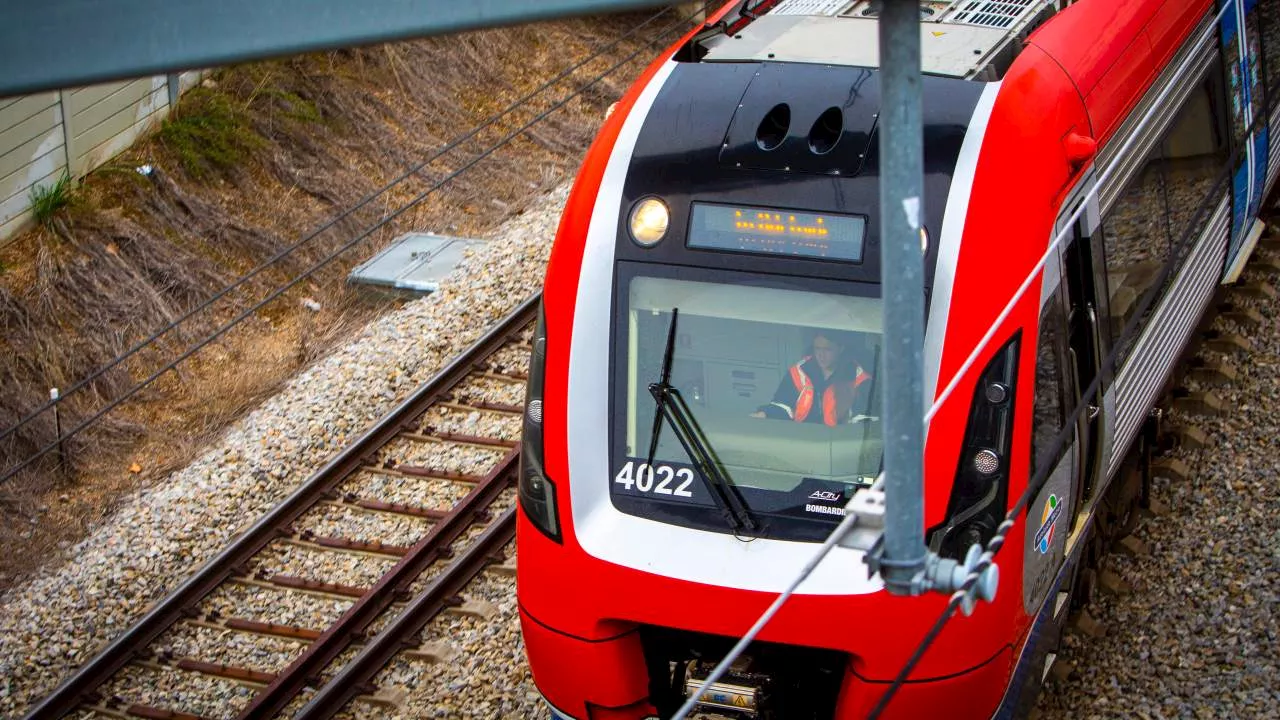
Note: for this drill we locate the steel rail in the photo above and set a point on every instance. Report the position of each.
(433, 546)
(354, 679)
(80, 687)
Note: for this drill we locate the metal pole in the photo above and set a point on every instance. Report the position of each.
(902, 278)
(57, 427)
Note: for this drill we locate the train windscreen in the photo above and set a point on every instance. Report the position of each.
(778, 378)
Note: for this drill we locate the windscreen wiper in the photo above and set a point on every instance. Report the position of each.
(671, 405)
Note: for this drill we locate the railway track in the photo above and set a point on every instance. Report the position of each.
(455, 441)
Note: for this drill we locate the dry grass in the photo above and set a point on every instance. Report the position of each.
(258, 158)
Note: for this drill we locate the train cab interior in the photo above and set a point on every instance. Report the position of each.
(733, 350)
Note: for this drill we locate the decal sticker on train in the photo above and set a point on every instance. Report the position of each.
(1048, 521)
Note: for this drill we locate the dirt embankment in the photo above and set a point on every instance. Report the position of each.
(252, 162)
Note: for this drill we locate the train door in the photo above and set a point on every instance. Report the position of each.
(1241, 48)
(1086, 350)
(1054, 447)
(1085, 300)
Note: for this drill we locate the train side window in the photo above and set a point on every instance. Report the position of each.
(1051, 391)
(1153, 215)
(1135, 233)
(1195, 149)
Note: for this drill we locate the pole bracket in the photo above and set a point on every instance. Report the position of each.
(932, 572)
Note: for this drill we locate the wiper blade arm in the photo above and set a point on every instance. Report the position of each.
(664, 382)
(672, 407)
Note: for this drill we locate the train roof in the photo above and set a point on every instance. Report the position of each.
(1127, 45)
(961, 39)
(1130, 43)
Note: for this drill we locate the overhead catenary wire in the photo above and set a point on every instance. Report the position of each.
(17, 468)
(997, 540)
(363, 202)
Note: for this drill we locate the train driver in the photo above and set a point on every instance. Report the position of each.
(821, 387)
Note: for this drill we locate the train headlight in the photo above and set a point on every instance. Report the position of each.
(986, 462)
(980, 492)
(649, 221)
(537, 492)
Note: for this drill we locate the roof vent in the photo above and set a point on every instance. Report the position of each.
(808, 7)
(873, 8)
(991, 13)
(773, 128)
(826, 131)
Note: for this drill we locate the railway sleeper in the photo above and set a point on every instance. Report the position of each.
(1133, 546)
(1083, 623)
(305, 586)
(506, 567)
(385, 698)
(242, 675)
(1187, 436)
(1227, 342)
(1172, 468)
(1246, 317)
(1267, 263)
(1257, 290)
(1059, 669)
(1212, 373)
(432, 651)
(460, 606)
(1199, 402)
(214, 621)
(1110, 582)
(126, 711)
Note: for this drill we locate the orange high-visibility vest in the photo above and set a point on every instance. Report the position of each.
(804, 403)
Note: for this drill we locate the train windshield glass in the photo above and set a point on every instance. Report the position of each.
(780, 380)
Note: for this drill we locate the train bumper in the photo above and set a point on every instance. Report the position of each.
(604, 679)
(587, 679)
(974, 693)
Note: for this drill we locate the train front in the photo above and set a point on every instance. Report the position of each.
(705, 398)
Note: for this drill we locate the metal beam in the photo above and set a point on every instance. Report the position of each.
(52, 44)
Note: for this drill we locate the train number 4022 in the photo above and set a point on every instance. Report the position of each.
(656, 479)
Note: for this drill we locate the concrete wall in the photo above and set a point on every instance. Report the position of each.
(73, 131)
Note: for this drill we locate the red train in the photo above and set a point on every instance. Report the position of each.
(704, 393)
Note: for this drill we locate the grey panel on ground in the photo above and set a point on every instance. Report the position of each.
(133, 38)
(414, 262)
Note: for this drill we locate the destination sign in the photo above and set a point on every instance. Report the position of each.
(768, 231)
